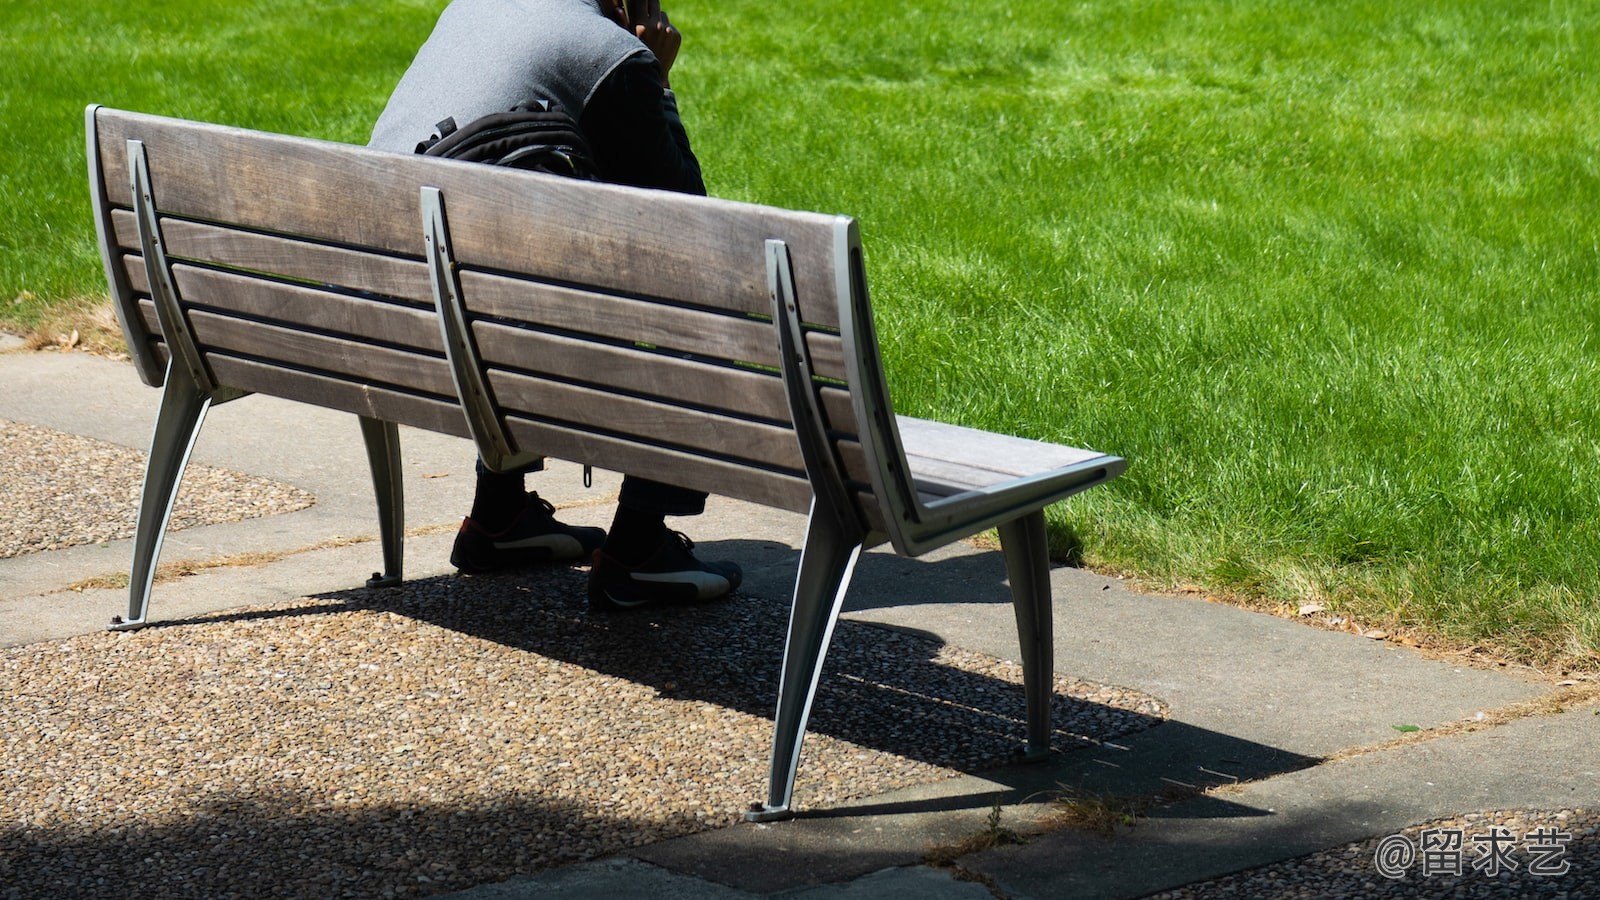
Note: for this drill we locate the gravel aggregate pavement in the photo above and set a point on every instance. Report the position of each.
(457, 731)
(63, 490)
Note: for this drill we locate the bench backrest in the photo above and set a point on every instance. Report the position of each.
(633, 330)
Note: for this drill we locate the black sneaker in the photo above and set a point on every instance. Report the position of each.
(669, 575)
(534, 539)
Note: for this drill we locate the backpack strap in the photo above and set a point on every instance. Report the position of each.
(441, 131)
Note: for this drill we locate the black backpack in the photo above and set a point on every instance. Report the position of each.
(538, 136)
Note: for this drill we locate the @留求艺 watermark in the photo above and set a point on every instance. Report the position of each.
(1540, 852)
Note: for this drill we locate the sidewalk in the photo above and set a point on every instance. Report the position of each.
(1300, 720)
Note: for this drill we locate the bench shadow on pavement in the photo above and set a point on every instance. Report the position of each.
(883, 688)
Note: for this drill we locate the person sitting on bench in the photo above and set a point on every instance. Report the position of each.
(488, 56)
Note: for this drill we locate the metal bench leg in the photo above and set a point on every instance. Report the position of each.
(183, 408)
(826, 563)
(1028, 567)
(383, 454)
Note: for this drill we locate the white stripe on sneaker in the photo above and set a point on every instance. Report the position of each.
(706, 584)
(557, 544)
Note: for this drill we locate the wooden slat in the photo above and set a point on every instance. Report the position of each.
(266, 182)
(716, 335)
(297, 307)
(358, 361)
(947, 459)
(147, 315)
(782, 490)
(138, 279)
(441, 416)
(827, 355)
(650, 422)
(853, 461)
(126, 227)
(841, 416)
(692, 249)
(745, 392)
(626, 240)
(688, 330)
(376, 273)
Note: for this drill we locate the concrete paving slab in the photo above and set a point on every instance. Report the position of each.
(1544, 763)
(1301, 689)
(602, 880)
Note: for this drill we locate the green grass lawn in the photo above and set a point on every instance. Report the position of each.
(1326, 274)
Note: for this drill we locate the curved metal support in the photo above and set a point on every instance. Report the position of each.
(495, 447)
(187, 393)
(183, 409)
(834, 536)
(163, 293)
(826, 563)
(1028, 568)
(383, 455)
(915, 527)
(869, 393)
(811, 428)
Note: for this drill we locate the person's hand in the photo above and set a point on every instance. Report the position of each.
(653, 28)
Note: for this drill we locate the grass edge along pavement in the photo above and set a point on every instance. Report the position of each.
(1324, 276)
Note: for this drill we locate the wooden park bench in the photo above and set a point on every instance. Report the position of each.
(722, 346)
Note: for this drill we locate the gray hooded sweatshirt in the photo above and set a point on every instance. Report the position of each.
(487, 56)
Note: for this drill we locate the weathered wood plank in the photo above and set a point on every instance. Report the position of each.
(263, 181)
(147, 316)
(431, 414)
(297, 307)
(587, 409)
(781, 490)
(716, 335)
(361, 362)
(1004, 455)
(138, 278)
(841, 415)
(948, 459)
(686, 248)
(125, 225)
(307, 261)
(626, 240)
(688, 330)
(747, 392)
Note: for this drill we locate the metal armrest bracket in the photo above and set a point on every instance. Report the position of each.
(495, 447)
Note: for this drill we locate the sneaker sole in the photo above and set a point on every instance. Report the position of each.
(665, 588)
